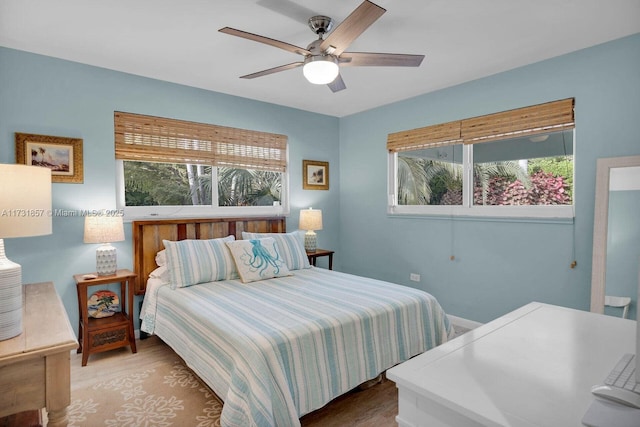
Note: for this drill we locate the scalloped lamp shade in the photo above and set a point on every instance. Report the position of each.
(105, 230)
(310, 220)
(25, 210)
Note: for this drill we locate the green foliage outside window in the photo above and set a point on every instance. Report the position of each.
(165, 184)
(547, 181)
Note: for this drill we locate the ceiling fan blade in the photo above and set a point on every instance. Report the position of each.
(266, 40)
(354, 25)
(273, 70)
(337, 85)
(366, 59)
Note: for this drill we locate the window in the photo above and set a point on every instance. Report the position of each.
(169, 166)
(517, 163)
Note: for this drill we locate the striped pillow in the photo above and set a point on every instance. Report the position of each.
(290, 246)
(199, 261)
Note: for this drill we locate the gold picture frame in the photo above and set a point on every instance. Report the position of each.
(315, 175)
(62, 155)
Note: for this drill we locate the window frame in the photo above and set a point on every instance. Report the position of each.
(447, 134)
(468, 208)
(201, 211)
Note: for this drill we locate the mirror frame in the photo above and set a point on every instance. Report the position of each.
(600, 226)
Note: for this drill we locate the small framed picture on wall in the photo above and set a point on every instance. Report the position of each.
(62, 155)
(315, 175)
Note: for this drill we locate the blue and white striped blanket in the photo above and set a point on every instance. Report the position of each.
(277, 349)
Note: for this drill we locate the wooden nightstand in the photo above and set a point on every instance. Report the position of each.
(313, 256)
(107, 333)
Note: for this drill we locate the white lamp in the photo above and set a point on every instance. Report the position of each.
(310, 220)
(104, 229)
(25, 210)
(320, 69)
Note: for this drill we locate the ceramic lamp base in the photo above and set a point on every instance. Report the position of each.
(106, 260)
(10, 297)
(310, 241)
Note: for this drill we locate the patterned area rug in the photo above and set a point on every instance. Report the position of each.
(167, 394)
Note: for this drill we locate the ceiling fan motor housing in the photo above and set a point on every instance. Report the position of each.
(320, 24)
(314, 48)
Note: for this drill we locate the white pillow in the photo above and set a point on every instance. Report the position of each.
(290, 246)
(161, 258)
(160, 273)
(258, 259)
(198, 261)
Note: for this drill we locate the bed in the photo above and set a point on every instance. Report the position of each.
(278, 348)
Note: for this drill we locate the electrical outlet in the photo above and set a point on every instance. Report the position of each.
(414, 277)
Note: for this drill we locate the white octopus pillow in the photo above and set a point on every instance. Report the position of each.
(258, 259)
(290, 246)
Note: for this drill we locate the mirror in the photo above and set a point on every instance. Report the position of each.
(616, 231)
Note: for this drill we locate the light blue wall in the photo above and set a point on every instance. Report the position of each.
(623, 248)
(48, 96)
(499, 265)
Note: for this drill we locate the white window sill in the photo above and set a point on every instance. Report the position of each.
(168, 212)
(559, 214)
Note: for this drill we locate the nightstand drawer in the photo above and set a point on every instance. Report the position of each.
(107, 338)
(108, 332)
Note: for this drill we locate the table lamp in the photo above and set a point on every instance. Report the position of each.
(25, 210)
(104, 229)
(310, 220)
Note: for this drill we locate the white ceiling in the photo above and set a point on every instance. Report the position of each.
(178, 41)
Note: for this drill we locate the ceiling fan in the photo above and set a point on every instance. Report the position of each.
(324, 56)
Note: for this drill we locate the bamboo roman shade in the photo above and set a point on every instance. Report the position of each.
(157, 139)
(426, 137)
(542, 118)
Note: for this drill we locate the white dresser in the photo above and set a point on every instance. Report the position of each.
(532, 367)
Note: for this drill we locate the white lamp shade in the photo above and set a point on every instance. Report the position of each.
(25, 201)
(320, 70)
(103, 229)
(310, 219)
(25, 210)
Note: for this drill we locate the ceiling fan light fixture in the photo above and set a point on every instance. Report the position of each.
(320, 69)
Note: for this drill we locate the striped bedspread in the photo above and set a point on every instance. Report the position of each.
(277, 349)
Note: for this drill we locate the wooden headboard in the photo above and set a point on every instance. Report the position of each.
(148, 236)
